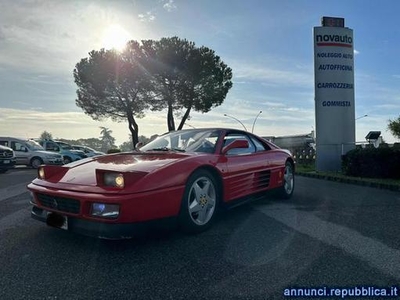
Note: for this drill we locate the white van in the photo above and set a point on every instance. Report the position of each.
(30, 153)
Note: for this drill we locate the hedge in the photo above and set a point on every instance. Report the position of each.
(372, 162)
(112, 150)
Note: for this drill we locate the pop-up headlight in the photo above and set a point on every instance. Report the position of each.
(41, 173)
(114, 179)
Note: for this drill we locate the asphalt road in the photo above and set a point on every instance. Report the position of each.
(328, 235)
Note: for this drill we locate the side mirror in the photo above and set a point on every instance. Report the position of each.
(235, 145)
(138, 145)
(23, 149)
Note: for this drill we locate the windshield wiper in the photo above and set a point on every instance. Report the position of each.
(159, 149)
(167, 149)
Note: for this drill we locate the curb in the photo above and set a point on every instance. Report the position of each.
(356, 181)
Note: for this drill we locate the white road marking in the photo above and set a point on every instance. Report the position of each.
(14, 190)
(21, 172)
(375, 253)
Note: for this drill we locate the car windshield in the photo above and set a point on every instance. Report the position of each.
(65, 146)
(191, 140)
(34, 146)
(88, 149)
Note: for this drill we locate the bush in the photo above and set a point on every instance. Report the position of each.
(372, 162)
(113, 150)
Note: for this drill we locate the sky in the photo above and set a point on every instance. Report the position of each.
(267, 43)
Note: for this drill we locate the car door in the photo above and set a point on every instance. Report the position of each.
(21, 152)
(248, 168)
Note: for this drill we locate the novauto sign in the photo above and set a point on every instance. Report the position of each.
(334, 40)
(334, 95)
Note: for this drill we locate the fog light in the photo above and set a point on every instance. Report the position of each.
(105, 210)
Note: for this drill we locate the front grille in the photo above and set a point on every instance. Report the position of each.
(59, 203)
(6, 153)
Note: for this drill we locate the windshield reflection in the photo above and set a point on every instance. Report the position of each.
(191, 140)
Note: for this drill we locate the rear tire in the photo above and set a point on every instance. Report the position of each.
(286, 190)
(199, 203)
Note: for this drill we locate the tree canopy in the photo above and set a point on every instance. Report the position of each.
(170, 74)
(45, 135)
(394, 127)
(111, 84)
(107, 140)
(184, 77)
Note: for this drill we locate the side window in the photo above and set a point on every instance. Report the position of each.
(229, 138)
(258, 145)
(4, 143)
(17, 146)
(52, 147)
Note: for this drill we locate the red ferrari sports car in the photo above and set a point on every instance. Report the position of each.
(184, 176)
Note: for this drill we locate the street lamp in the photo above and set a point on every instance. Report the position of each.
(236, 120)
(361, 117)
(252, 128)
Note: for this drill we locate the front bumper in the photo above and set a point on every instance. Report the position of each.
(103, 230)
(6, 164)
(138, 212)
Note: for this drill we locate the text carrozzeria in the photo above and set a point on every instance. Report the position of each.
(335, 85)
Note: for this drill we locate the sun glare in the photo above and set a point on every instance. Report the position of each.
(115, 37)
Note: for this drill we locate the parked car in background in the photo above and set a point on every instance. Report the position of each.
(30, 153)
(69, 147)
(184, 176)
(87, 150)
(7, 159)
(66, 150)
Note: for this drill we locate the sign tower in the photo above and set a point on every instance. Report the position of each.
(334, 93)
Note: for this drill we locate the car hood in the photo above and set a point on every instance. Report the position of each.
(137, 161)
(5, 148)
(83, 172)
(44, 152)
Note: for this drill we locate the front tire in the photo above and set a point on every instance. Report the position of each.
(286, 191)
(67, 160)
(199, 203)
(36, 162)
